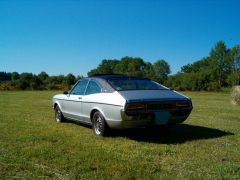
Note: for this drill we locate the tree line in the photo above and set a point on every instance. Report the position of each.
(220, 68)
(42, 81)
(132, 66)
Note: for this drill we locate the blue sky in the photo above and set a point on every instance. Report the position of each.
(71, 36)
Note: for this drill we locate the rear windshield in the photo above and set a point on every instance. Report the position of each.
(125, 84)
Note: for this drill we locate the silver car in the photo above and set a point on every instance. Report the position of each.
(119, 102)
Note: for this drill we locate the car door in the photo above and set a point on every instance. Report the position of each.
(73, 102)
(89, 99)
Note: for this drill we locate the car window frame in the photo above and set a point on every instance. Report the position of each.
(70, 93)
(93, 80)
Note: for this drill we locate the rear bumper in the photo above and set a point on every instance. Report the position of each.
(143, 119)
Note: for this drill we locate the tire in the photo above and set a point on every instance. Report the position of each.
(58, 115)
(99, 125)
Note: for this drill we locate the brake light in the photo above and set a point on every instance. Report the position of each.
(135, 107)
(183, 104)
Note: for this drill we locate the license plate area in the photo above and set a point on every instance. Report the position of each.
(161, 117)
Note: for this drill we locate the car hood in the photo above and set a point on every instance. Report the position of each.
(152, 95)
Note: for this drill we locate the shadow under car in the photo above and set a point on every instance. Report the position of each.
(176, 134)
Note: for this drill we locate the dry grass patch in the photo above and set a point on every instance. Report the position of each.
(235, 95)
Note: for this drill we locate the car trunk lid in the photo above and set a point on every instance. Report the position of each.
(151, 95)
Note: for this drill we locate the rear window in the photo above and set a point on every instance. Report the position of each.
(125, 84)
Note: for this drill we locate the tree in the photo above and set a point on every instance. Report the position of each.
(235, 59)
(130, 66)
(36, 83)
(107, 66)
(24, 80)
(79, 77)
(5, 76)
(43, 76)
(70, 80)
(220, 62)
(197, 66)
(162, 70)
(187, 68)
(149, 71)
(14, 76)
(92, 72)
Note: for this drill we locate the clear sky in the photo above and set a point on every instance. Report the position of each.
(73, 36)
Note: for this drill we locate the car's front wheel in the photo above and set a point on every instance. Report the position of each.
(58, 115)
(99, 125)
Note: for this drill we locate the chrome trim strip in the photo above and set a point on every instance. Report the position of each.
(81, 121)
(89, 102)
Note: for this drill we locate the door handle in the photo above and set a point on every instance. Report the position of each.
(80, 98)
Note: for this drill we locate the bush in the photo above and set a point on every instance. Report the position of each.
(235, 95)
(8, 86)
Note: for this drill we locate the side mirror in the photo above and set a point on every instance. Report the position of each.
(171, 89)
(65, 92)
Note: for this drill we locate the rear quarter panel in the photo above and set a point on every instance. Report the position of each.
(109, 104)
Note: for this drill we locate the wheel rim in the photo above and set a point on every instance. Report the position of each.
(58, 115)
(98, 125)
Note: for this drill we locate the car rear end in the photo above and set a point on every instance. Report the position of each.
(147, 103)
(157, 112)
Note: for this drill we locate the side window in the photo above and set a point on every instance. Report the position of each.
(93, 88)
(79, 89)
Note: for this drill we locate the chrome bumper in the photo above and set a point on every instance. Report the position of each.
(143, 119)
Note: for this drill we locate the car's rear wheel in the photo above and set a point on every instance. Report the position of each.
(58, 115)
(99, 125)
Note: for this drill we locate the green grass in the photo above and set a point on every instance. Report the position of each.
(32, 145)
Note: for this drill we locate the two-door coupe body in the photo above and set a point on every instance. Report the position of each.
(119, 102)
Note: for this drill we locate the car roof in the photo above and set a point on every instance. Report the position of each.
(102, 79)
(108, 76)
(113, 76)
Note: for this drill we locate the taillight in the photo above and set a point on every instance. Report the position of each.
(135, 107)
(183, 104)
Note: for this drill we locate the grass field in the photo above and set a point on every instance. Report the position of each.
(32, 145)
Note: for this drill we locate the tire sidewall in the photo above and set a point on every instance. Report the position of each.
(57, 110)
(103, 130)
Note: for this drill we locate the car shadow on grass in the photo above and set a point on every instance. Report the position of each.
(177, 134)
